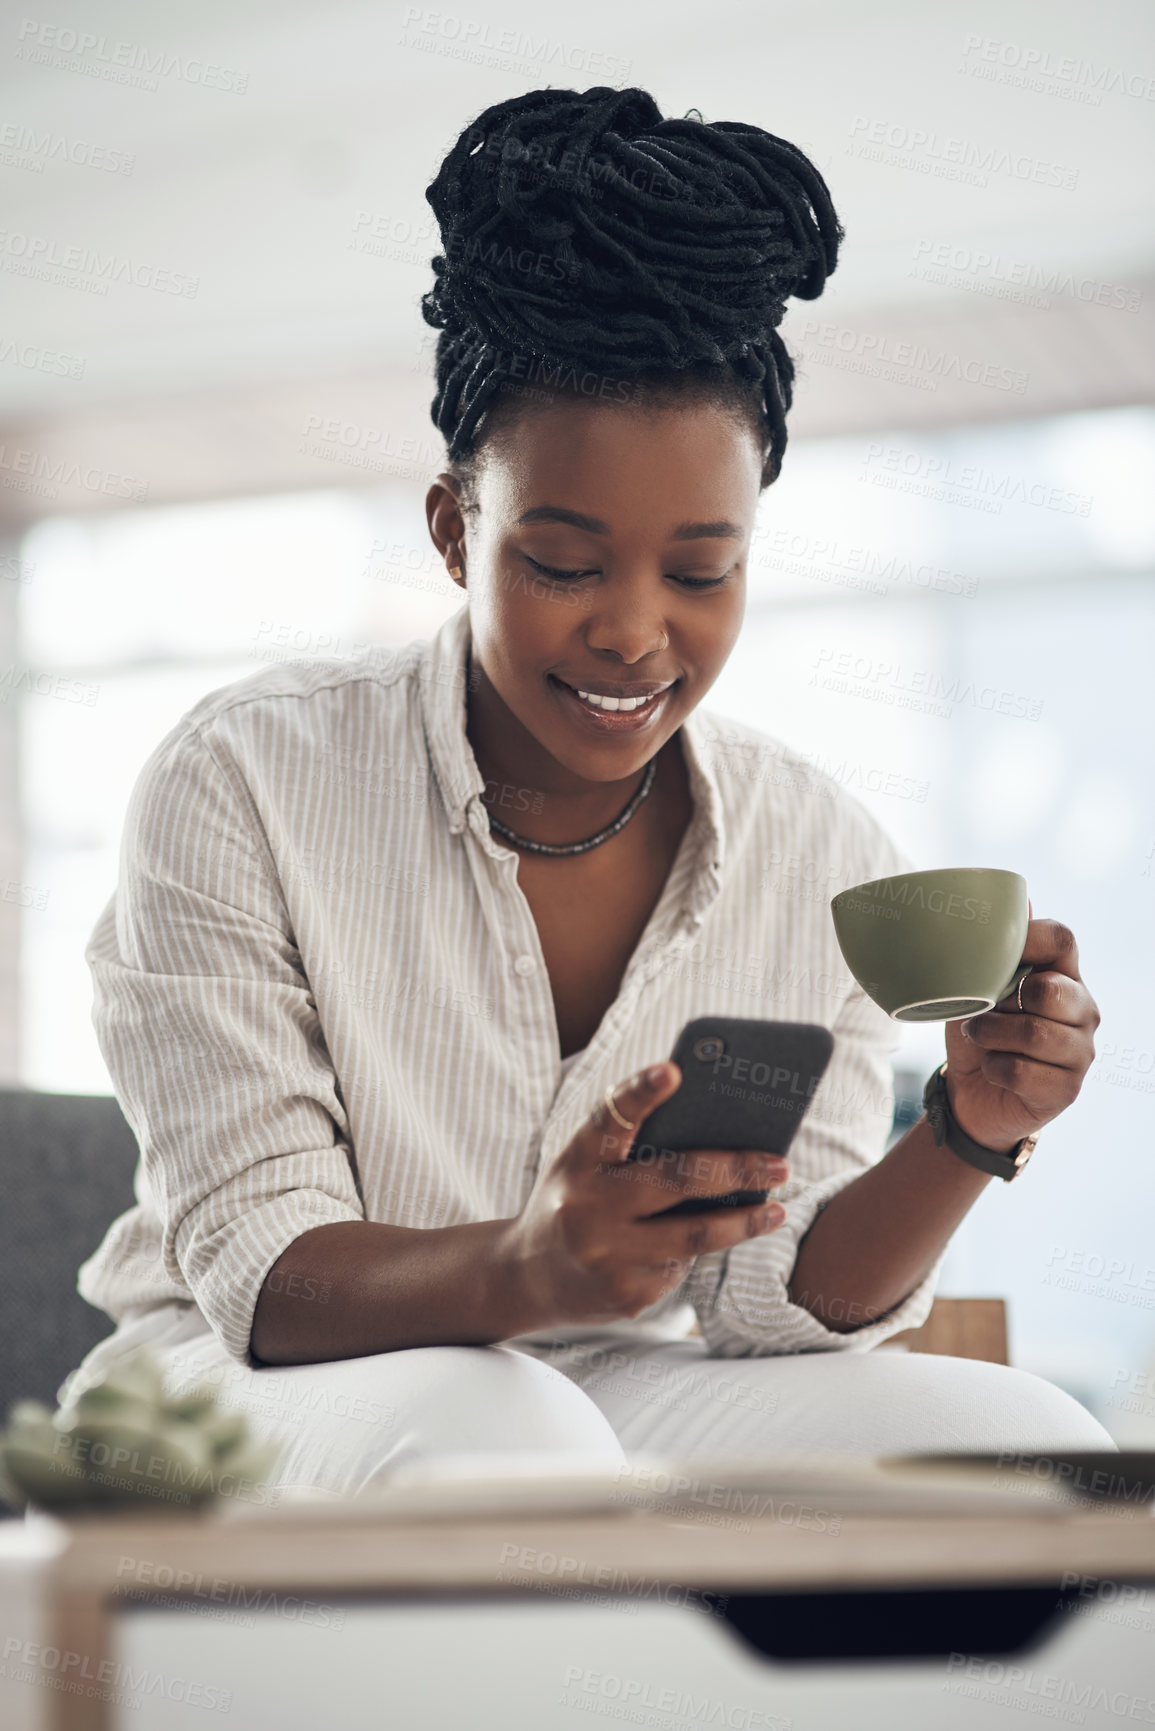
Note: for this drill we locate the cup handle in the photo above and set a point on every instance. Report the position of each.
(1016, 980)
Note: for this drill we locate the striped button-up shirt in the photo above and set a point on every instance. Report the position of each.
(321, 994)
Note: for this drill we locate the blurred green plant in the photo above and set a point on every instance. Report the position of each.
(124, 1442)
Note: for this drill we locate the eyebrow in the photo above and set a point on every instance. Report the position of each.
(717, 531)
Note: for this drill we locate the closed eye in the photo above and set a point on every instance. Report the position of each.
(570, 576)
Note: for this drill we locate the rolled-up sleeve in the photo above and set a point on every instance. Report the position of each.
(210, 1032)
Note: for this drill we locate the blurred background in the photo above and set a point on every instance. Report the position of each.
(215, 445)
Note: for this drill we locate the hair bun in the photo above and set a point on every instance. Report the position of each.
(586, 227)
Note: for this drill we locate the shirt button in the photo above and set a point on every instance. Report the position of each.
(524, 965)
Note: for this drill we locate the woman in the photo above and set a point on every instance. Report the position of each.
(400, 944)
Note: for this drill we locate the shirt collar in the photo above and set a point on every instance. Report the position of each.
(443, 701)
(442, 671)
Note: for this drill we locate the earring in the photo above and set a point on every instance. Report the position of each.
(455, 571)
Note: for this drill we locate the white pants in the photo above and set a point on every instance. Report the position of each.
(344, 1424)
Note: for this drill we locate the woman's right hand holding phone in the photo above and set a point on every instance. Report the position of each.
(590, 1245)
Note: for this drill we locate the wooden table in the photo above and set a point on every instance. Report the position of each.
(81, 1563)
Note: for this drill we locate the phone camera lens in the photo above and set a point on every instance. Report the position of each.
(709, 1048)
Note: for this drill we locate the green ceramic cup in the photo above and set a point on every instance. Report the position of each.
(934, 946)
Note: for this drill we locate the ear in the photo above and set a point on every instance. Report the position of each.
(447, 525)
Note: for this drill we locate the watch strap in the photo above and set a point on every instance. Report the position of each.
(947, 1132)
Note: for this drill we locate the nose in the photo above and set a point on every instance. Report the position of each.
(630, 629)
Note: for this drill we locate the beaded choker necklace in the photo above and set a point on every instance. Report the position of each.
(572, 847)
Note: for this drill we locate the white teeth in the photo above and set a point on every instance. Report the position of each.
(612, 703)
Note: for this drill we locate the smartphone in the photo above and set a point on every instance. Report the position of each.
(745, 1084)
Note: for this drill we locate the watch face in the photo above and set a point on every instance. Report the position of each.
(1025, 1152)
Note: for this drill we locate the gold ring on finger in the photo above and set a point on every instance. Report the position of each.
(624, 1122)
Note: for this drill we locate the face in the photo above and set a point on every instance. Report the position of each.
(608, 555)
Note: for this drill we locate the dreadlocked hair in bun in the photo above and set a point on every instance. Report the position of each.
(594, 249)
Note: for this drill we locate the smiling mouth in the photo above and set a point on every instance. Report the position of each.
(615, 705)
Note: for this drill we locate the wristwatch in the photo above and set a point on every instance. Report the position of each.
(946, 1130)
